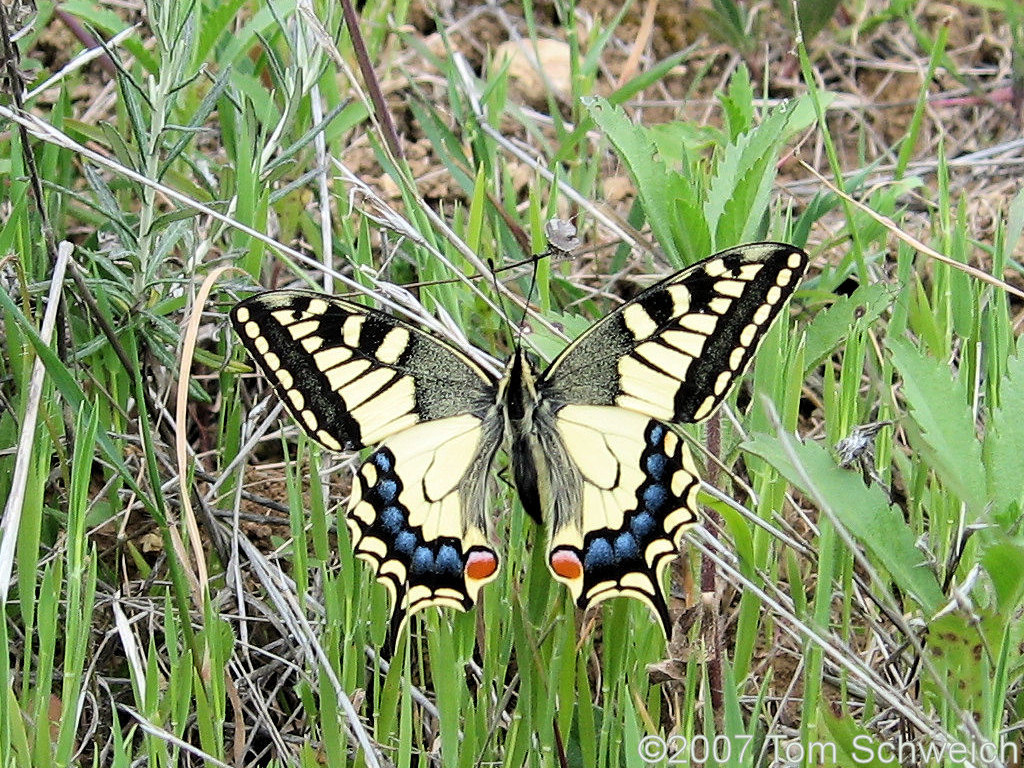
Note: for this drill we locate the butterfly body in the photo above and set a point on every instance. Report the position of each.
(592, 453)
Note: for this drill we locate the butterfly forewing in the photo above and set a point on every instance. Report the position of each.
(350, 375)
(354, 377)
(674, 351)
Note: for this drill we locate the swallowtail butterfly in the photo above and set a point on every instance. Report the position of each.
(593, 456)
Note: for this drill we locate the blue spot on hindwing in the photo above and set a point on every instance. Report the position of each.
(405, 543)
(448, 560)
(391, 520)
(611, 555)
(655, 498)
(387, 490)
(599, 555)
(642, 526)
(656, 464)
(625, 547)
(382, 460)
(409, 560)
(422, 561)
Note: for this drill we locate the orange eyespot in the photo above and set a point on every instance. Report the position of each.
(481, 564)
(566, 564)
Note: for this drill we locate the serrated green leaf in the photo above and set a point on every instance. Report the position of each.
(947, 437)
(723, 187)
(864, 511)
(740, 189)
(738, 103)
(831, 326)
(657, 186)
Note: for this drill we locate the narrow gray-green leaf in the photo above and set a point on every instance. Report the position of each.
(830, 327)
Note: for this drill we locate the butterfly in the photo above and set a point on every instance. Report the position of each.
(593, 456)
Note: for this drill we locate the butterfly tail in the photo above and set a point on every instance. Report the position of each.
(399, 620)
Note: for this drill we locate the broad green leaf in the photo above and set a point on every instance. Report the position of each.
(1005, 565)
(1002, 451)
(812, 14)
(1014, 224)
(217, 18)
(863, 510)
(956, 642)
(677, 140)
(855, 744)
(946, 435)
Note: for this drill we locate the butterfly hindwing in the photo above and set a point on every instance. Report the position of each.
(417, 513)
(669, 355)
(638, 496)
(354, 377)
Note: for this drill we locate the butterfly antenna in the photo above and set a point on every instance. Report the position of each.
(518, 331)
(561, 241)
(528, 298)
